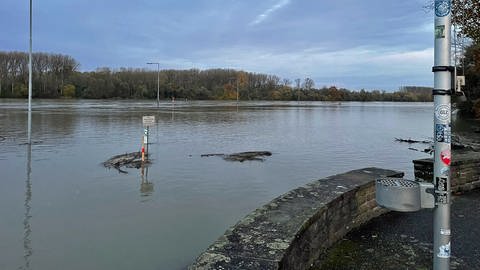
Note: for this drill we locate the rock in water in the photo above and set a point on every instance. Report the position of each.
(242, 156)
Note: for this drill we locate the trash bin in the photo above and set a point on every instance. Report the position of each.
(404, 195)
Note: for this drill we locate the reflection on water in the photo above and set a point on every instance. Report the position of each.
(27, 229)
(146, 187)
(89, 217)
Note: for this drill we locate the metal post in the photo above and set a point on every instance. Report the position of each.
(237, 90)
(145, 144)
(148, 133)
(442, 135)
(143, 149)
(29, 124)
(158, 81)
(158, 84)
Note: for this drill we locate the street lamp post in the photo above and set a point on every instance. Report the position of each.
(442, 135)
(29, 127)
(158, 80)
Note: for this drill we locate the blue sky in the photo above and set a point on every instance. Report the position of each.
(371, 44)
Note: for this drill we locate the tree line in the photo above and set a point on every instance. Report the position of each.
(51, 72)
(57, 75)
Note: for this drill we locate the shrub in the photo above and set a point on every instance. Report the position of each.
(69, 91)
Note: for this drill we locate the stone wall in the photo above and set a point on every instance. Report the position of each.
(465, 171)
(293, 230)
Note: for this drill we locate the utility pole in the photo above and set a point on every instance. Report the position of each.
(29, 124)
(442, 92)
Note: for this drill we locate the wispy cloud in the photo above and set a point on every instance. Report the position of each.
(260, 18)
(400, 66)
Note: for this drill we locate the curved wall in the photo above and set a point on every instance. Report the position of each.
(293, 230)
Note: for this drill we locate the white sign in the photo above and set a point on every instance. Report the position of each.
(148, 121)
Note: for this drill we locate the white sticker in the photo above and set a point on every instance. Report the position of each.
(445, 231)
(444, 251)
(445, 171)
(442, 112)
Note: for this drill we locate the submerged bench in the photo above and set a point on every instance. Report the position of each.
(294, 230)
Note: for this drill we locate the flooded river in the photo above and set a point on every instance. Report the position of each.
(61, 209)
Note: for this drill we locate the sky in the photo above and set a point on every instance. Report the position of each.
(355, 44)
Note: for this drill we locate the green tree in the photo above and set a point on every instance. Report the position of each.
(20, 90)
(68, 90)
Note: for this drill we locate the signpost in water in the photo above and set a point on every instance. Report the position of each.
(148, 121)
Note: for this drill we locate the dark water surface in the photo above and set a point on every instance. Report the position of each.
(68, 212)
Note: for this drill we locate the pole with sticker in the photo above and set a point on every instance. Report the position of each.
(442, 92)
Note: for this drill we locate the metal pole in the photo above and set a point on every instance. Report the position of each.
(143, 148)
(158, 80)
(442, 135)
(29, 127)
(158, 84)
(148, 133)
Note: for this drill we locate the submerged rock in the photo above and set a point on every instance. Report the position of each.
(242, 156)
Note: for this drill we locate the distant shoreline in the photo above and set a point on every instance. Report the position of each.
(180, 100)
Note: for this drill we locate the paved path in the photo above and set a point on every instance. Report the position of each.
(404, 240)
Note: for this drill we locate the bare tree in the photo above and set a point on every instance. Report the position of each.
(308, 84)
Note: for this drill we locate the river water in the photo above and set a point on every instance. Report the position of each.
(61, 209)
